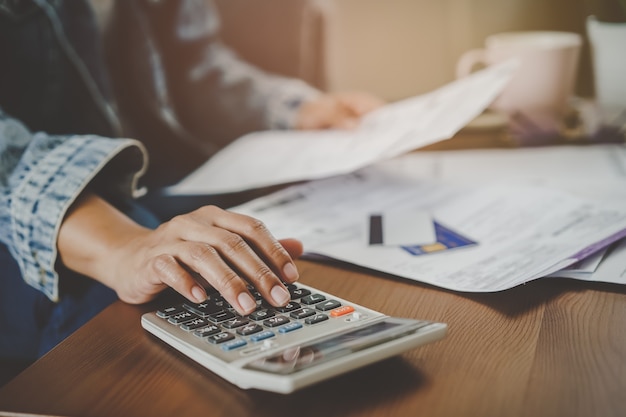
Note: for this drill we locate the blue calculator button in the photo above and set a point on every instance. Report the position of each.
(289, 327)
(233, 344)
(262, 336)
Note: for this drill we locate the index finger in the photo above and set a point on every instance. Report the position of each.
(257, 235)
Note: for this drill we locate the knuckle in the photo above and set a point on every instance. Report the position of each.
(208, 211)
(277, 251)
(233, 244)
(179, 222)
(264, 276)
(166, 268)
(255, 226)
(229, 283)
(202, 252)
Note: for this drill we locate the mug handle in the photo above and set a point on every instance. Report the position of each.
(469, 60)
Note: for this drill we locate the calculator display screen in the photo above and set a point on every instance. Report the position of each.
(296, 358)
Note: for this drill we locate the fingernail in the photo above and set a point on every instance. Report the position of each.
(290, 272)
(246, 302)
(280, 295)
(198, 293)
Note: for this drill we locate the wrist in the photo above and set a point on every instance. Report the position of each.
(92, 237)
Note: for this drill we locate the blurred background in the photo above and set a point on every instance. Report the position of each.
(394, 48)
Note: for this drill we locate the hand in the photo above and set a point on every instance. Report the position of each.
(336, 111)
(208, 246)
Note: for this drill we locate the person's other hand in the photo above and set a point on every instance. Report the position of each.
(336, 111)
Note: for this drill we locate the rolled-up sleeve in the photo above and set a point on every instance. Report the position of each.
(41, 176)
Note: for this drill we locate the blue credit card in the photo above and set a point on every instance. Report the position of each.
(446, 240)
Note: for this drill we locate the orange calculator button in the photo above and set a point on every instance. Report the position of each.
(341, 311)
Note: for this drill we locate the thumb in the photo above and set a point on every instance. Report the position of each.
(293, 247)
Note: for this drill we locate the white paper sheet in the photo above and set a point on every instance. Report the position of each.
(596, 172)
(582, 269)
(276, 157)
(524, 231)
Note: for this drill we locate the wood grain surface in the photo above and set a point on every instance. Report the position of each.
(552, 347)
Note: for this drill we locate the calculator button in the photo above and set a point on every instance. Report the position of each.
(341, 311)
(328, 305)
(257, 295)
(204, 309)
(233, 344)
(219, 301)
(220, 338)
(236, 322)
(289, 327)
(194, 324)
(276, 321)
(249, 329)
(221, 316)
(289, 307)
(298, 292)
(169, 311)
(318, 318)
(262, 336)
(302, 313)
(207, 331)
(181, 317)
(262, 314)
(312, 299)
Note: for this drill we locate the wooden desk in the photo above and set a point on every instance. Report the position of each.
(548, 348)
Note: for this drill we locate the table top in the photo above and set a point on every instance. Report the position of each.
(551, 347)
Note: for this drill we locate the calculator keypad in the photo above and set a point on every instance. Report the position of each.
(215, 321)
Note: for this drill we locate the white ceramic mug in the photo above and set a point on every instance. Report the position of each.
(544, 82)
(608, 48)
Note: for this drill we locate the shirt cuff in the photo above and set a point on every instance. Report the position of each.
(51, 186)
(282, 108)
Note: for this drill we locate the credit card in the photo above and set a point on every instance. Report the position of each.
(446, 239)
(401, 227)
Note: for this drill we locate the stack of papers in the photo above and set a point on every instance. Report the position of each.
(527, 224)
(548, 213)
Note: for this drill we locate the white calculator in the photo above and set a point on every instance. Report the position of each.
(282, 349)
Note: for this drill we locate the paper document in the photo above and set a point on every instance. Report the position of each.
(613, 267)
(582, 269)
(522, 232)
(277, 157)
(597, 172)
(606, 266)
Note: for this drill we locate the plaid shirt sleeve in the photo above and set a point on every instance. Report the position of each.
(278, 98)
(41, 176)
(227, 85)
(215, 86)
